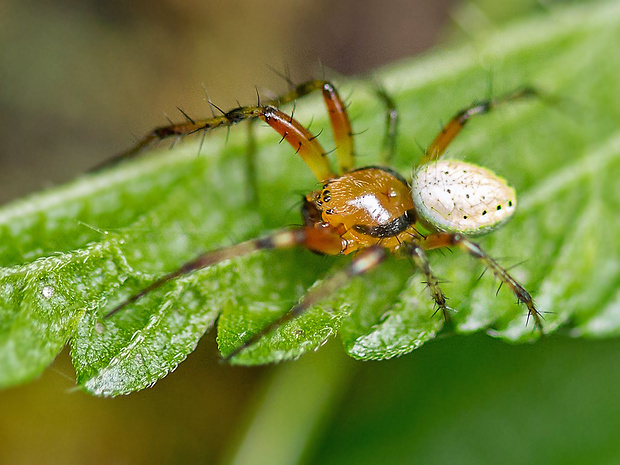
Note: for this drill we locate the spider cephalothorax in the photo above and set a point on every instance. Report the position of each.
(371, 210)
(367, 206)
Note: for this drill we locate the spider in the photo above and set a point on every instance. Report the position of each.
(369, 211)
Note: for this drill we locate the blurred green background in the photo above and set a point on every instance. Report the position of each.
(77, 78)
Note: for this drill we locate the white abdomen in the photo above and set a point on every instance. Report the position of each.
(455, 196)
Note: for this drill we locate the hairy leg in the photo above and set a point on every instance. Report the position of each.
(367, 260)
(456, 124)
(421, 261)
(434, 241)
(322, 241)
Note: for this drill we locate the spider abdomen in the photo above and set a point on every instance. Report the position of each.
(455, 196)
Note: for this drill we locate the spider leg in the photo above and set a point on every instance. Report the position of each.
(290, 129)
(304, 143)
(388, 148)
(421, 261)
(323, 241)
(367, 260)
(456, 124)
(163, 132)
(338, 118)
(438, 240)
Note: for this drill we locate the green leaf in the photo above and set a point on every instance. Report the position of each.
(72, 253)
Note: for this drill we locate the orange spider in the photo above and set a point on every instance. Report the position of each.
(370, 210)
